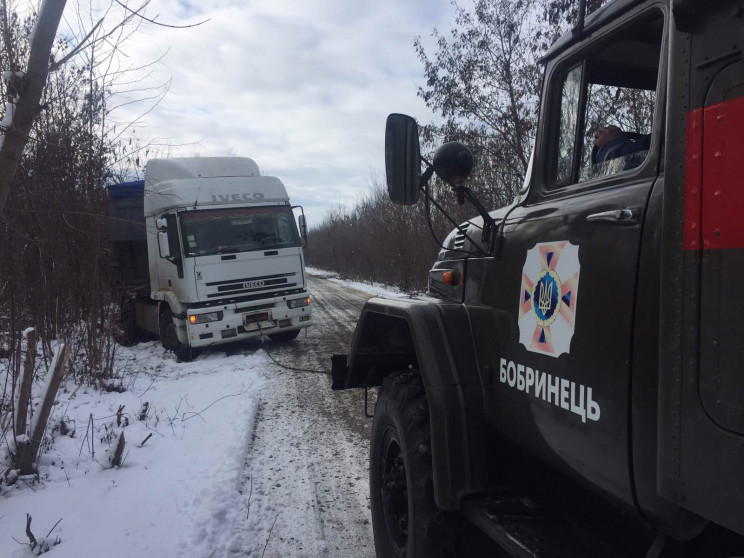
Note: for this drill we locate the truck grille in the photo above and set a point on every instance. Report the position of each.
(252, 285)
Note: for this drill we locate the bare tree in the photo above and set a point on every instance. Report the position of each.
(24, 89)
(54, 260)
(484, 80)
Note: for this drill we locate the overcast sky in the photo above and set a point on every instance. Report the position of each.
(302, 87)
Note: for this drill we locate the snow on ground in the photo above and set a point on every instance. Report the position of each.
(175, 496)
(376, 289)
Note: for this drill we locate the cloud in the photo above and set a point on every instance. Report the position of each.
(301, 87)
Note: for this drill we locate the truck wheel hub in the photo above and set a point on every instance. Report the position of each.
(395, 493)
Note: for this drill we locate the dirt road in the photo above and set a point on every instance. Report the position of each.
(307, 461)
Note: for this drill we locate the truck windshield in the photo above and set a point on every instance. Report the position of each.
(239, 229)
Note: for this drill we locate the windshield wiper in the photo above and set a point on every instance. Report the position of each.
(217, 252)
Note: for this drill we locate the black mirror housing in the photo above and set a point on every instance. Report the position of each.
(402, 159)
(453, 162)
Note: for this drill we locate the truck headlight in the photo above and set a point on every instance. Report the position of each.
(299, 302)
(205, 318)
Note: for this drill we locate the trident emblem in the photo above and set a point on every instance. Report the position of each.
(545, 296)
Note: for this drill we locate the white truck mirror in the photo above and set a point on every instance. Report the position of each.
(163, 244)
(161, 223)
(303, 226)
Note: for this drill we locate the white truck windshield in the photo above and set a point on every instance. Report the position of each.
(239, 229)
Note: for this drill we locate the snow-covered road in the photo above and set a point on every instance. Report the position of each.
(307, 464)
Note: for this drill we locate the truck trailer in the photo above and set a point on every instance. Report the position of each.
(207, 251)
(572, 385)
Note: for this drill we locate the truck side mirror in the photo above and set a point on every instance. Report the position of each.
(161, 223)
(163, 244)
(303, 226)
(402, 159)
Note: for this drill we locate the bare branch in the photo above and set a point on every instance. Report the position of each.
(161, 24)
(81, 45)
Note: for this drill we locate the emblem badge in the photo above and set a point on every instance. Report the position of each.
(548, 297)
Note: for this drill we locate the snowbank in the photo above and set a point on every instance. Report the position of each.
(176, 495)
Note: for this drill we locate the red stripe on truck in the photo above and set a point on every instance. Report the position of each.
(714, 177)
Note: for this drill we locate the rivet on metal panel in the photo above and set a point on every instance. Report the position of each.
(717, 193)
(718, 154)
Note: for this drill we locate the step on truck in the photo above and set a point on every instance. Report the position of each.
(208, 251)
(573, 383)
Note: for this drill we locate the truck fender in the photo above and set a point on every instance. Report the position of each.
(435, 337)
(169, 300)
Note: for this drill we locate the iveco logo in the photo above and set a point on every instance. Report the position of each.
(229, 198)
(253, 284)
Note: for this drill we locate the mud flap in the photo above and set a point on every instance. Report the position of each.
(339, 371)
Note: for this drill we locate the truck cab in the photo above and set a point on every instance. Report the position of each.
(590, 326)
(223, 252)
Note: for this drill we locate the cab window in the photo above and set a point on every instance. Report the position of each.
(607, 106)
(568, 121)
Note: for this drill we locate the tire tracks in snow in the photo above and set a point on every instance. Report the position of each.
(307, 460)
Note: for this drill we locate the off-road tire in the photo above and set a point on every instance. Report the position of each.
(284, 336)
(169, 337)
(405, 519)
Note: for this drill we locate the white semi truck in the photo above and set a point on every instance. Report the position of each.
(208, 251)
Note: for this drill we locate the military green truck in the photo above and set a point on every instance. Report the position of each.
(573, 384)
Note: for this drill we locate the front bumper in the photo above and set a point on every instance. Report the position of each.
(248, 320)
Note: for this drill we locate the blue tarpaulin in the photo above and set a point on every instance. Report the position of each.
(133, 189)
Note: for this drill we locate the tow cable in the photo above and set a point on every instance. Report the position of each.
(286, 367)
(307, 370)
